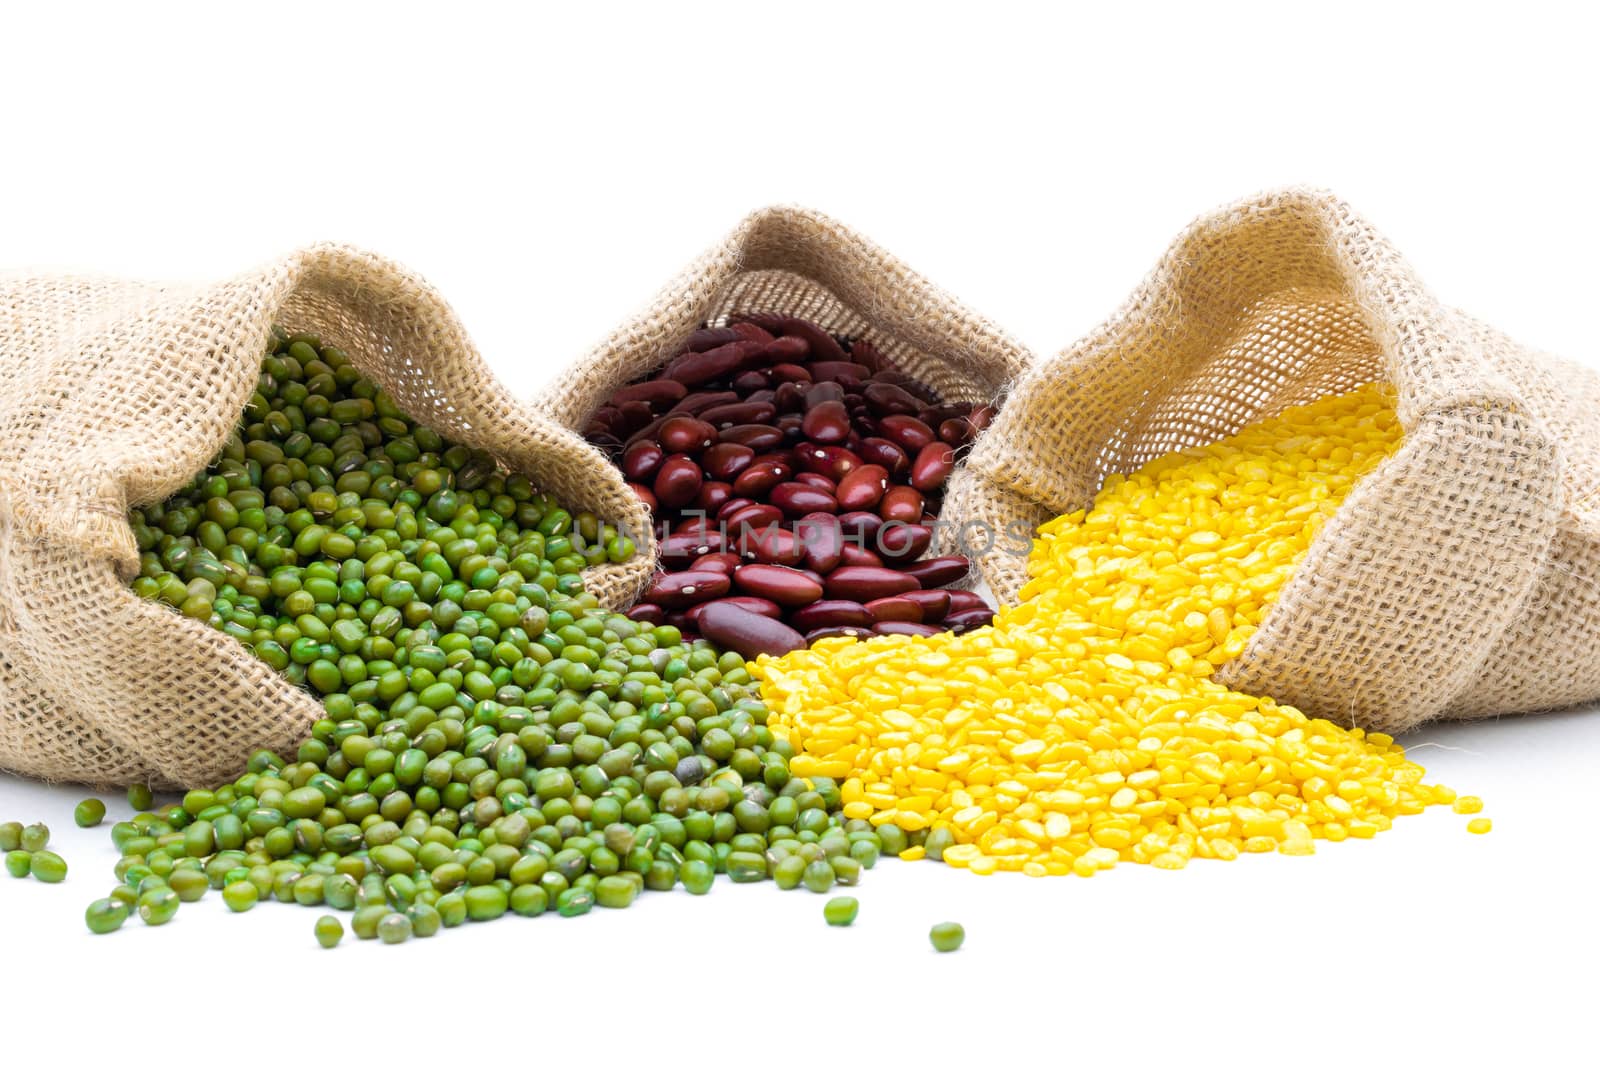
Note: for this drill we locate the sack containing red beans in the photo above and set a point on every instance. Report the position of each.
(790, 408)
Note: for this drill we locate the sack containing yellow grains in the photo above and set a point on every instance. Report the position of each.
(114, 395)
(1460, 579)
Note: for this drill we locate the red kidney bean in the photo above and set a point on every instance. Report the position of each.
(631, 416)
(900, 504)
(861, 526)
(823, 344)
(932, 466)
(816, 481)
(867, 583)
(786, 350)
(980, 417)
(819, 634)
(909, 433)
(939, 571)
(935, 603)
(823, 393)
(826, 423)
(887, 399)
(894, 609)
(698, 368)
(681, 549)
(681, 433)
(726, 462)
(654, 614)
(678, 482)
(955, 432)
(761, 396)
(721, 562)
(790, 587)
(966, 600)
(695, 403)
(755, 604)
(789, 372)
(821, 541)
(885, 453)
(658, 393)
(729, 415)
(866, 353)
(641, 460)
(752, 517)
(708, 337)
(962, 621)
(752, 436)
(862, 488)
(828, 460)
(646, 497)
(695, 524)
(790, 397)
(908, 383)
(831, 613)
(899, 543)
(760, 478)
(684, 589)
(910, 629)
(773, 544)
(938, 413)
(797, 498)
(858, 556)
(840, 373)
(747, 633)
(713, 495)
(752, 331)
(751, 381)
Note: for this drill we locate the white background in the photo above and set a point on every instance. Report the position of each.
(548, 172)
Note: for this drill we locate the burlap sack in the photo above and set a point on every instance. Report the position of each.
(789, 260)
(114, 394)
(1458, 580)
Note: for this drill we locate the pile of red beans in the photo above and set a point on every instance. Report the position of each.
(794, 478)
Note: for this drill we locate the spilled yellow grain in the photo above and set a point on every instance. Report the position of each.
(1082, 729)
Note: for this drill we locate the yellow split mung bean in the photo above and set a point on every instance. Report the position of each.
(1083, 728)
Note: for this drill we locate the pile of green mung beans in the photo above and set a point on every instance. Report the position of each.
(494, 741)
(26, 854)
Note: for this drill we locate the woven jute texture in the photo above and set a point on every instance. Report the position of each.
(1461, 579)
(115, 394)
(793, 261)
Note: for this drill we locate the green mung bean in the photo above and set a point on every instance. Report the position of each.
(10, 836)
(34, 837)
(140, 798)
(189, 884)
(329, 931)
(89, 812)
(158, 906)
(46, 866)
(105, 916)
(19, 863)
(841, 911)
(947, 937)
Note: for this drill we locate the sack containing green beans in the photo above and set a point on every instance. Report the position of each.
(115, 394)
(1458, 580)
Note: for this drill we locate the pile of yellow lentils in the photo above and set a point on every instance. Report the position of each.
(1082, 729)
